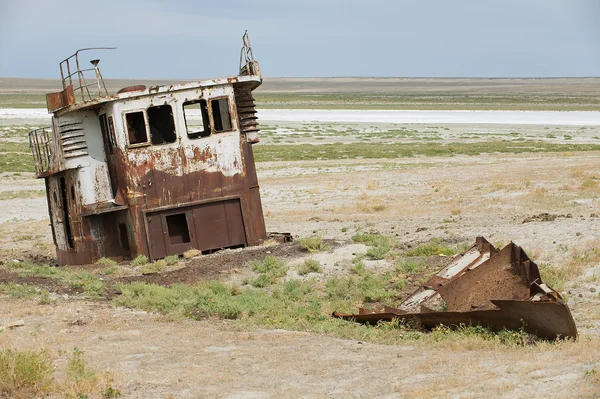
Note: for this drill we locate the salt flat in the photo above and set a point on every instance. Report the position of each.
(563, 118)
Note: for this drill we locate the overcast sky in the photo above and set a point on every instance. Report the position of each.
(193, 39)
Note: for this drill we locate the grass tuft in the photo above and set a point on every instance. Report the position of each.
(139, 260)
(434, 247)
(24, 374)
(314, 244)
(106, 262)
(270, 271)
(309, 266)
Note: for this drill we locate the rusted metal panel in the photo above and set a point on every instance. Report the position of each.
(235, 223)
(504, 291)
(61, 99)
(213, 215)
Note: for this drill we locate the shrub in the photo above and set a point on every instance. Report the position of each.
(377, 252)
(86, 382)
(309, 266)
(139, 260)
(24, 373)
(314, 244)
(171, 260)
(359, 267)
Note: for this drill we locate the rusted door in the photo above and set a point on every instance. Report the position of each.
(219, 225)
(170, 232)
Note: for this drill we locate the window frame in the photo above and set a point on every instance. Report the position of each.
(126, 128)
(206, 123)
(212, 119)
(149, 128)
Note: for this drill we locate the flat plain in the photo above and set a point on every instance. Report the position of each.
(375, 207)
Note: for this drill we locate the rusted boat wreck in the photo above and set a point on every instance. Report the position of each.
(498, 289)
(150, 171)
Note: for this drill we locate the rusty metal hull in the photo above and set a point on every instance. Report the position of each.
(484, 286)
(544, 319)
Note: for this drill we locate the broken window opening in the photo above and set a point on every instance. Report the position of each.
(162, 125)
(220, 112)
(196, 128)
(136, 127)
(123, 237)
(104, 128)
(65, 209)
(177, 228)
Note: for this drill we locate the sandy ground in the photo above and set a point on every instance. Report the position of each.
(420, 198)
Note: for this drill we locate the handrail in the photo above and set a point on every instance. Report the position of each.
(83, 86)
(40, 145)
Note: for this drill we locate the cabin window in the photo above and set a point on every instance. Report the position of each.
(162, 125)
(220, 112)
(136, 127)
(196, 118)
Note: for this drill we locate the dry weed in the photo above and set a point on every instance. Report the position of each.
(192, 253)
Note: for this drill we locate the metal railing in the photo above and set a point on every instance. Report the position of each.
(247, 63)
(72, 74)
(40, 143)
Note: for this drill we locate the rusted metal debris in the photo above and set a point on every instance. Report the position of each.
(499, 289)
(150, 171)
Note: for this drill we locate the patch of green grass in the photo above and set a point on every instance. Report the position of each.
(88, 282)
(171, 260)
(410, 266)
(270, 271)
(106, 262)
(91, 284)
(314, 244)
(365, 288)
(309, 266)
(24, 291)
(358, 266)
(8, 195)
(378, 252)
(433, 247)
(22, 100)
(509, 338)
(16, 162)
(154, 267)
(426, 100)
(555, 276)
(25, 373)
(301, 152)
(139, 260)
(294, 305)
(26, 269)
(372, 240)
(110, 270)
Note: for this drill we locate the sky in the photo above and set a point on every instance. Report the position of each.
(197, 39)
